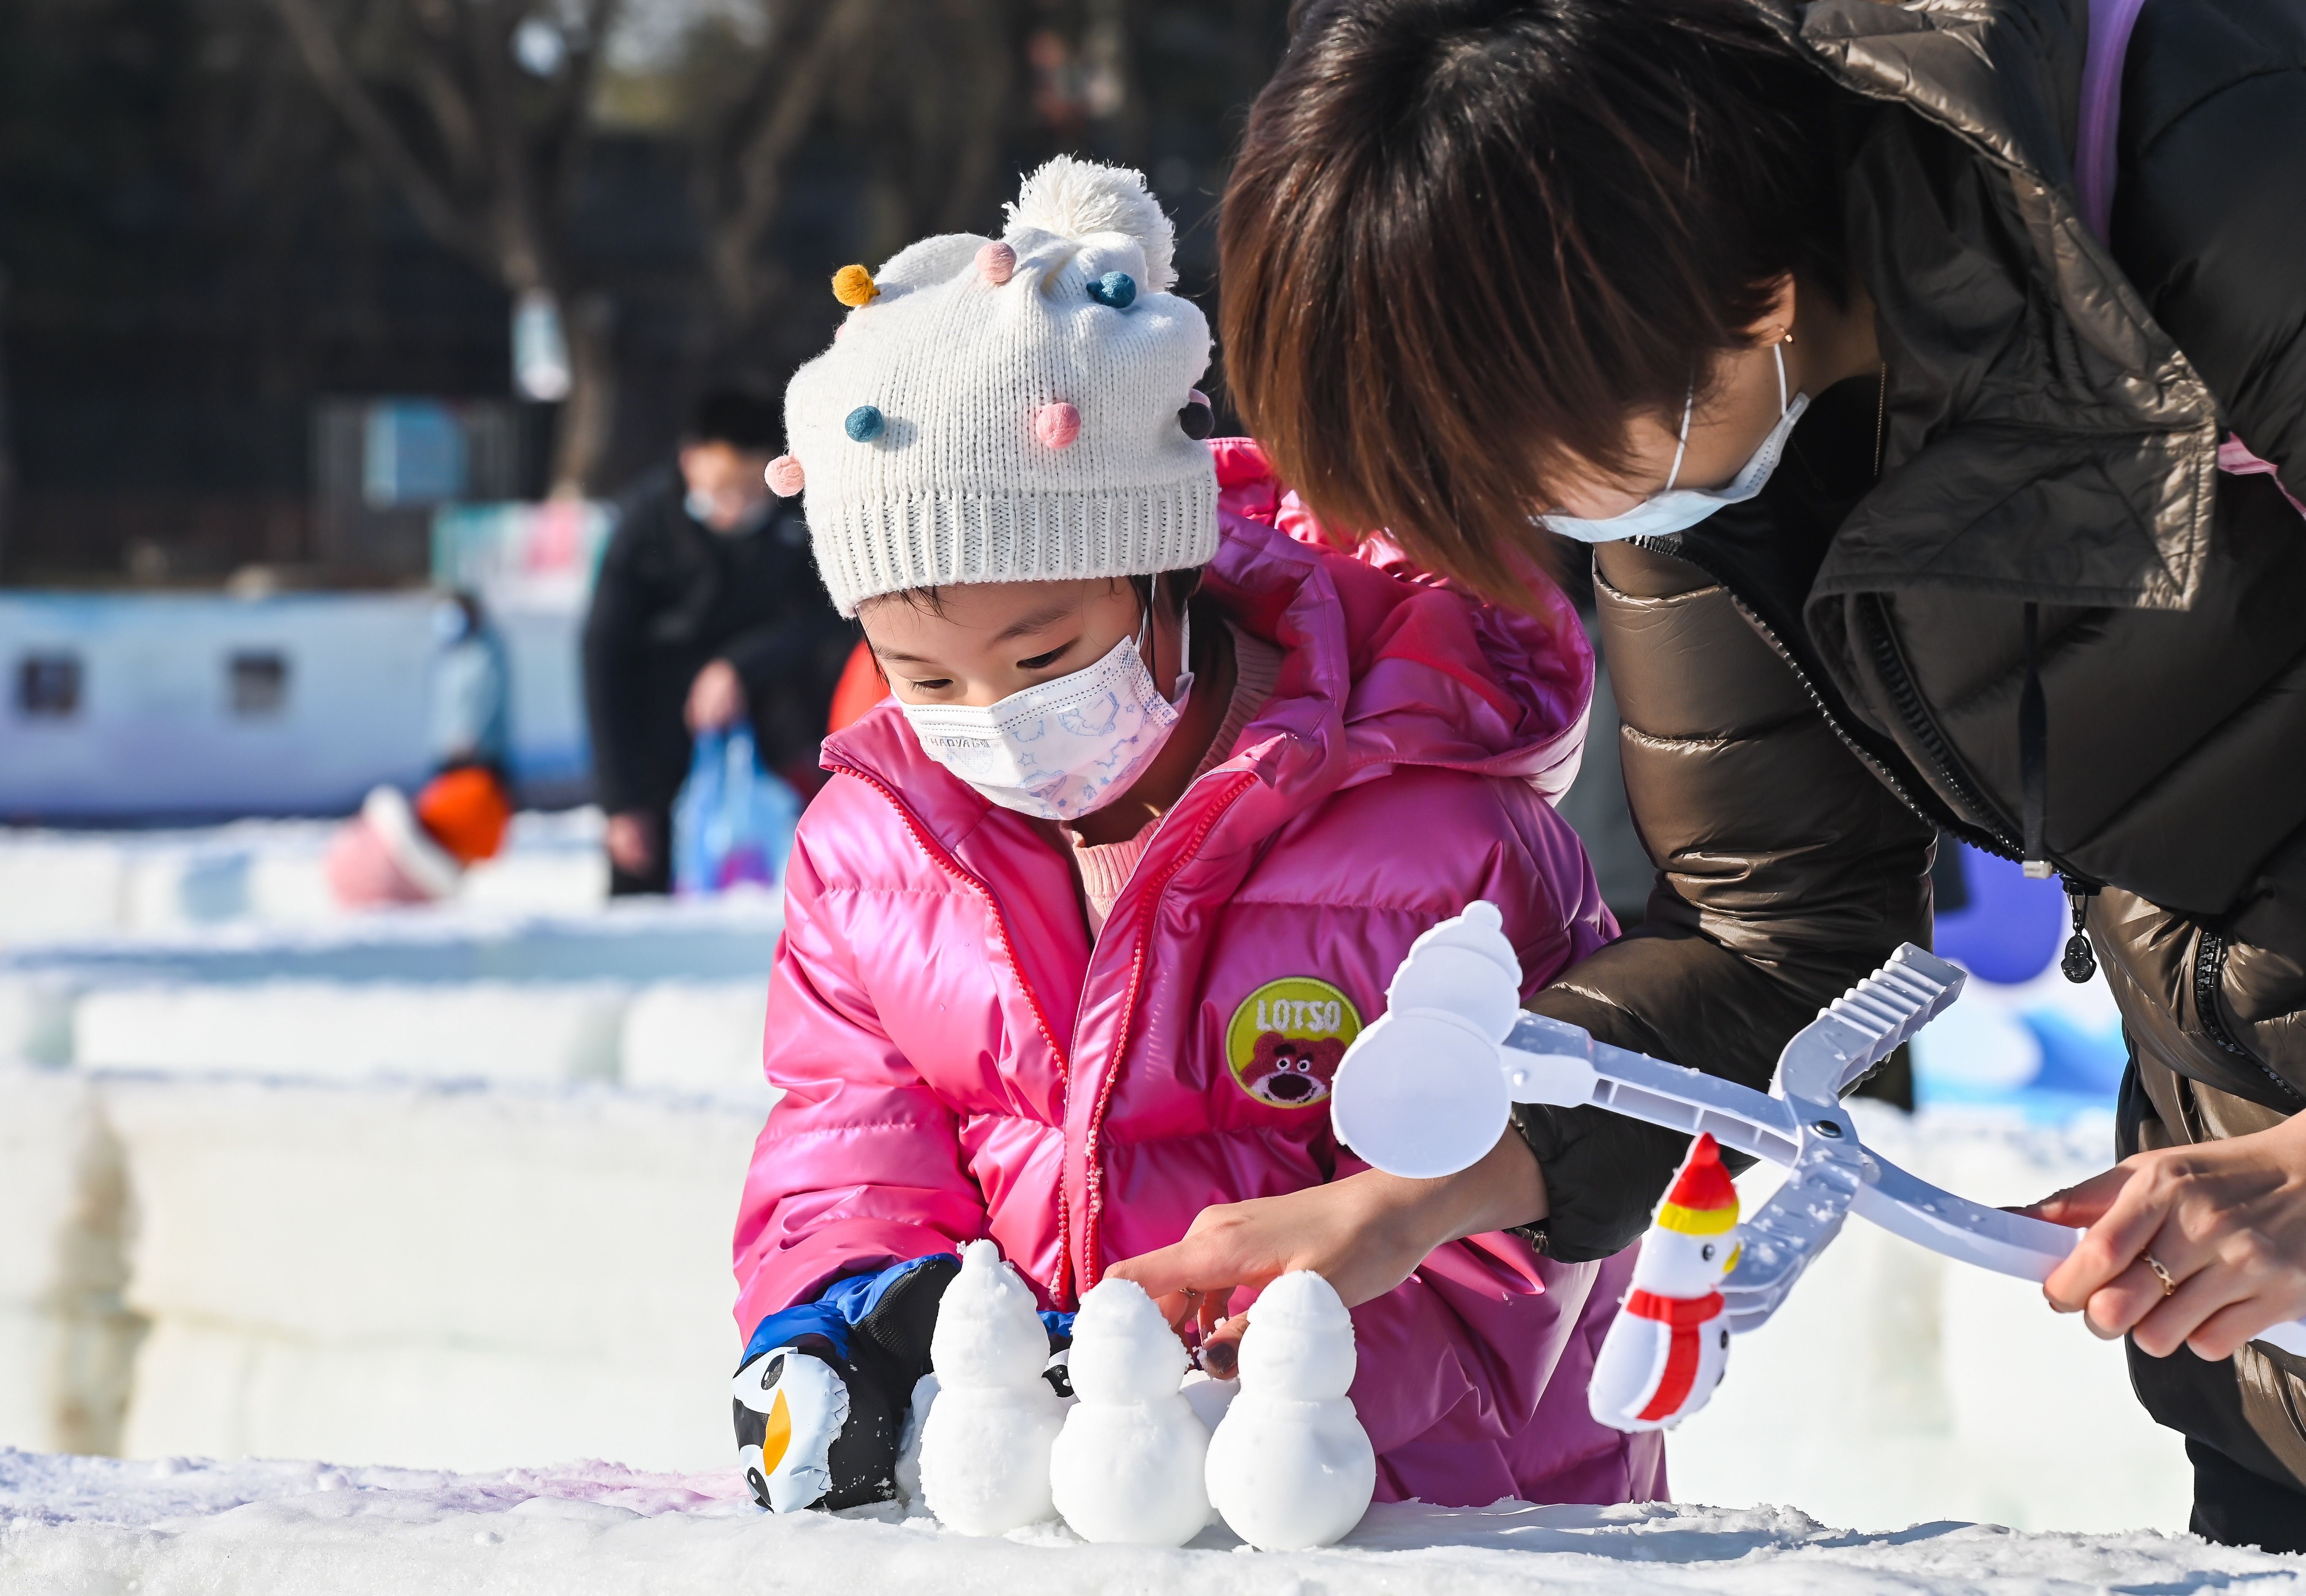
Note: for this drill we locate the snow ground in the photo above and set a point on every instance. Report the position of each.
(221, 951)
(82, 1526)
(65, 884)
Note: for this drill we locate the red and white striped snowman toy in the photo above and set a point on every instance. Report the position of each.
(1666, 1350)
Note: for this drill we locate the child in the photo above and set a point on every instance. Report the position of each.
(1081, 924)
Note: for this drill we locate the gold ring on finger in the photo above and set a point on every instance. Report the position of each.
(2161, 1274)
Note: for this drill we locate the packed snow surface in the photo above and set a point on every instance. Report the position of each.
(75, 1525)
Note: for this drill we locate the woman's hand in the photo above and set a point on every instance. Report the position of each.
(1363, 1234)
(2226, 1219)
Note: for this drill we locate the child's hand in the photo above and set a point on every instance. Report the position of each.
(1363, 1234)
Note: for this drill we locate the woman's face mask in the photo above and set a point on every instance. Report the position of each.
(1060, 749)
(1673, 509)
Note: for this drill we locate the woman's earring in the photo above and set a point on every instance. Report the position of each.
(1788, 337)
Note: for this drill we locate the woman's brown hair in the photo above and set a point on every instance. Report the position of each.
(1466, 241)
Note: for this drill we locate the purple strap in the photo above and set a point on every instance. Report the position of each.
(2111, 23)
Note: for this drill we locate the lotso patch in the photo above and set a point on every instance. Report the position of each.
(1286, 1038)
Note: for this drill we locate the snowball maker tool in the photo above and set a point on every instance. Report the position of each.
(1426, 1091)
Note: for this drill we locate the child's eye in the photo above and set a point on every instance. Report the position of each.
(1042, 661)
(933, 685)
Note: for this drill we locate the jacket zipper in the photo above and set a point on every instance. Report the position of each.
(1777, 646)
(1908, 701)
(951, 867)
(1909, 707)
(1093, 1171)
(2209, 979)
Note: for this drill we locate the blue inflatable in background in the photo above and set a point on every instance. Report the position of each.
(2021, 1039)
(733, 823)
(2011, 927)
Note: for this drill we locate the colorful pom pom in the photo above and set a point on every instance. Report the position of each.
(1194, 396)
(1197, 420)
(1116, 289)
(853, 287)
(1056, 425)
(865, 423)
(784, 476)
(996, 263)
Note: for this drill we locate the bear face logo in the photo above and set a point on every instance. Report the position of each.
(1291, 1071)
(1287, 1039)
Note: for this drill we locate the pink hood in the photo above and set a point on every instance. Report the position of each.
(960, 1060)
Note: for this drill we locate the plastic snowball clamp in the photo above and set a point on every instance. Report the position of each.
(1426, 1091)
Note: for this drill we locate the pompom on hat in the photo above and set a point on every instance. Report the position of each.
(1011, 409)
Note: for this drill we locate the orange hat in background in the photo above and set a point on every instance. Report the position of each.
(467, 810)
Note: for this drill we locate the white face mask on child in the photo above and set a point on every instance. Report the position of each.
(1065, 747)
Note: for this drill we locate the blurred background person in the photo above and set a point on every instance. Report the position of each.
(402, 850)
(707, 611)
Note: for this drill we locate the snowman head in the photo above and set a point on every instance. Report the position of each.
(1693, 1241)
(1124, 1351)
(987, 1333)
(1299, 1347)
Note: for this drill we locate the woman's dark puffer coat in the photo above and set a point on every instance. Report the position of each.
(1815, 682)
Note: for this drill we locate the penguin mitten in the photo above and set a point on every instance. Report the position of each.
(821, 1396)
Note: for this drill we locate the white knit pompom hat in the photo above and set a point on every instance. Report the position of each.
(1013, 410)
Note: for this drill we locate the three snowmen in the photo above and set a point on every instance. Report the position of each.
(1146, 1448)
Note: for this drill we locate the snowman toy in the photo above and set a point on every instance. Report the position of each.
(1666, 1350)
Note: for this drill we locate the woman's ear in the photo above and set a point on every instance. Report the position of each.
(1776, 324)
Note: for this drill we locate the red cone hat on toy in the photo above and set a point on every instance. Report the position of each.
(1702, 1200)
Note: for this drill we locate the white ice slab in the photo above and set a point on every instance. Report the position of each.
(65, 1338)
(427, 1275)
(63, 885)
(536, 1032)
(701, 1036)
(85, 1526)
(53, 886)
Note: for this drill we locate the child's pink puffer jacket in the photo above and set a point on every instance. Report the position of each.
(959, 1061)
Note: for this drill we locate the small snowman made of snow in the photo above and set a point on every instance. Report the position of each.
(1290, 1466)
(1128, 1466)
(984, 1444)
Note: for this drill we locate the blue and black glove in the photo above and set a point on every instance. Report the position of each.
(824, 1389)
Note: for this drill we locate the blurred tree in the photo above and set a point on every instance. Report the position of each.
(480, 114)
(500, 90)
(205, 233)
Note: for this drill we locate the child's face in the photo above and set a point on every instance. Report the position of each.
(986, 640)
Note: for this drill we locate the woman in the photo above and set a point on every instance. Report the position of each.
(1907, 519)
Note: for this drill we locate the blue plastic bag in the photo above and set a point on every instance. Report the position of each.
(733, 821)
